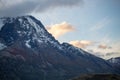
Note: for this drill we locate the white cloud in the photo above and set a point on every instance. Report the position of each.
(81, 44)
(60, 29)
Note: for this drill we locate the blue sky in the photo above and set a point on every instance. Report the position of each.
(105, 13)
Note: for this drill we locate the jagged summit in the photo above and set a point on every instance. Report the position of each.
(26, 29)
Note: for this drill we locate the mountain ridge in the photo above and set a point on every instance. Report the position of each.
(27, 40)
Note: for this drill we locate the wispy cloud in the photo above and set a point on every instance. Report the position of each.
(60, 29)
(100, 24)
(81, 43)
(104, 46)
(22, 7)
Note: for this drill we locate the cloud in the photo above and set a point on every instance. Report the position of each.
(103, 46)
(100, 24)
(60, 29)
(81, 44)
(22, 7)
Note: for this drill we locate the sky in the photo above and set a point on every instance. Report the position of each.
(93, 25)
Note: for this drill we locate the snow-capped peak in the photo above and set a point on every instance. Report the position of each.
(27, 29)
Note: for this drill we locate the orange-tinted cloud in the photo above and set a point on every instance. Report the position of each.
(60, 29)
(103, 46)
(81, 44)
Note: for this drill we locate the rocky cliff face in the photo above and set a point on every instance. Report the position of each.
(29, 52)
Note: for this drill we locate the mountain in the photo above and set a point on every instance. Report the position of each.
(115, 62)
(29, 52)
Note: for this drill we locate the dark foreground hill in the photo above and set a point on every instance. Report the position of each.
(98, 77)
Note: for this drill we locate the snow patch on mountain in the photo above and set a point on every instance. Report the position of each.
(2, 46)
(36, 26)
(27, 44)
